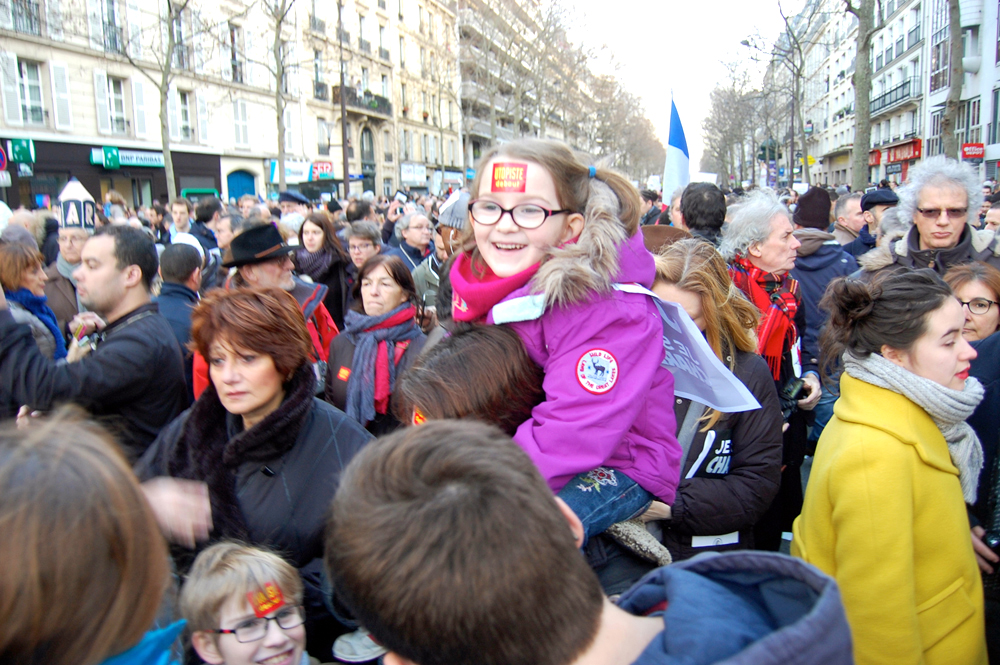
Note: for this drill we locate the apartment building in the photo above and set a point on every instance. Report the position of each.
(81, 87)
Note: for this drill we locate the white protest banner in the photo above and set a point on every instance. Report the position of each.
(699, 375)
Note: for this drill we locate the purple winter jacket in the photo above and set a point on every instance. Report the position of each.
(612, 409)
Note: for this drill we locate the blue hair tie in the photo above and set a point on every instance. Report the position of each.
(593, 172)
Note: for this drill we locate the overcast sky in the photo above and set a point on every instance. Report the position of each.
(678, 45)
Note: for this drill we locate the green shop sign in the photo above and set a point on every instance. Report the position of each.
(22, 151)
(113, 158)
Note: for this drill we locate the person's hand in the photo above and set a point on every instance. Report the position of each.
(91, 323)
(77, 352)
(984, 555)
(182, 509)
(24, 416)
(811, 383)
(656, 511)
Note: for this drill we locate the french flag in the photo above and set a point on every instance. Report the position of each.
(677, 169)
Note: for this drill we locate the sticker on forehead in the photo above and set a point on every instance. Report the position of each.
(509, 177)
(266, 600)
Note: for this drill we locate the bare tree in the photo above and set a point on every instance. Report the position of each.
(280, 64)
(870, 20)
(956, 76)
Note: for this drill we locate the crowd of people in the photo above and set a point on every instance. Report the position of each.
(462, 429)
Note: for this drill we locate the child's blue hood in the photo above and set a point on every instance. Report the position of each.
(740, 608)
(153, 649)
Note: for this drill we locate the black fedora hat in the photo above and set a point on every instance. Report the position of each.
(256, 245)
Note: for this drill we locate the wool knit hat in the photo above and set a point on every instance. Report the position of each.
(813, 210)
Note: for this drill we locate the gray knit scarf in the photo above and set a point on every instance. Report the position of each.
(65, 268)
(947, 408)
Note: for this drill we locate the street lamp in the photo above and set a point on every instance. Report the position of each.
(343, 97)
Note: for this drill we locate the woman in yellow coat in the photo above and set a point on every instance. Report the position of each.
(884, 512)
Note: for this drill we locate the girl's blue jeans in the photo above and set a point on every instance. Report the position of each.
(603, 497)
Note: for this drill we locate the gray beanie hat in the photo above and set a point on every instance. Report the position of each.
(455, 211)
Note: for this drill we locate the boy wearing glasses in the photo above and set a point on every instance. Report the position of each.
(243, 606)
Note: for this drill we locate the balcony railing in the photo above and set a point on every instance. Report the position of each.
(364, 45)
(383, 53)
(237, 68)
(381, 4)
(323, 149)
(113, 40)
(317, 25)
(367, 102)
(900, 93)
(321, 90)
(387, 157)
(913, 37)
(26, 16)
(344, 36)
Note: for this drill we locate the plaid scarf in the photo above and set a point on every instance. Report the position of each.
(777, 298)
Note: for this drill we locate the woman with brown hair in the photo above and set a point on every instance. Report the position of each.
(977, 287)
(22, 275)
(381, 339)
(87, 566)
(732, 462)
(267, 451)
(323, 259)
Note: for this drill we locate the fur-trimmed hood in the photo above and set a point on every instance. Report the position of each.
(572, 273)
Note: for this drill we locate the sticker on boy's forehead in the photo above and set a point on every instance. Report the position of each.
(266, 600)
(509, 177)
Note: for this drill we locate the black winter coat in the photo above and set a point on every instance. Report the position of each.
(176, 302)
(732, 471)
(133, 381)
(339, 368)
(338, 283)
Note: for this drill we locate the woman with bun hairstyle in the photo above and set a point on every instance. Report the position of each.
(554, 251)
(884, 511)
(732, 469)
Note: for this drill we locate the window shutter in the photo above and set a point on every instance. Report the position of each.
(95, 19)
(174, 113)
(6, 15)
(202, 117)
(141, 124)
(134, 17)
(11, 89)
(59, 72)
(225, 55)
(53, 20)
(101, 101)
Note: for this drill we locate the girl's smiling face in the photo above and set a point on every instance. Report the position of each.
(507, 248)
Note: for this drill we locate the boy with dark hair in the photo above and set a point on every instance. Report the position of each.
(703, 206)
(447, 544)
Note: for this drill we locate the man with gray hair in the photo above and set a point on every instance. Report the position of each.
(939, 198)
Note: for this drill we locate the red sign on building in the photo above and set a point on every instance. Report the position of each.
(973, 151)
(874, 158)
(905, 152)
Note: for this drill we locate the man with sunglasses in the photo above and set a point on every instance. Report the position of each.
(939, 198)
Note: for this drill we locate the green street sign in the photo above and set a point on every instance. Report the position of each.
(22, 151)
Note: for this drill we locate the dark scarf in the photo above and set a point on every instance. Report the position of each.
(475, 294)
(213, 444)
(37, 306)
(777, 298)
(314, 264)
(373, 377)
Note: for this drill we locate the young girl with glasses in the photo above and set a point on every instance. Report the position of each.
(554, 251)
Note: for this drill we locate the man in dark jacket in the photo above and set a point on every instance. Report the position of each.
(206, 216)
(941, 196)
(820, 260)
(649, 208)
(390, 558)
(180, 268)
(134, 378)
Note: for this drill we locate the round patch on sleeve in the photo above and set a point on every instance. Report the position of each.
(597, 371)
